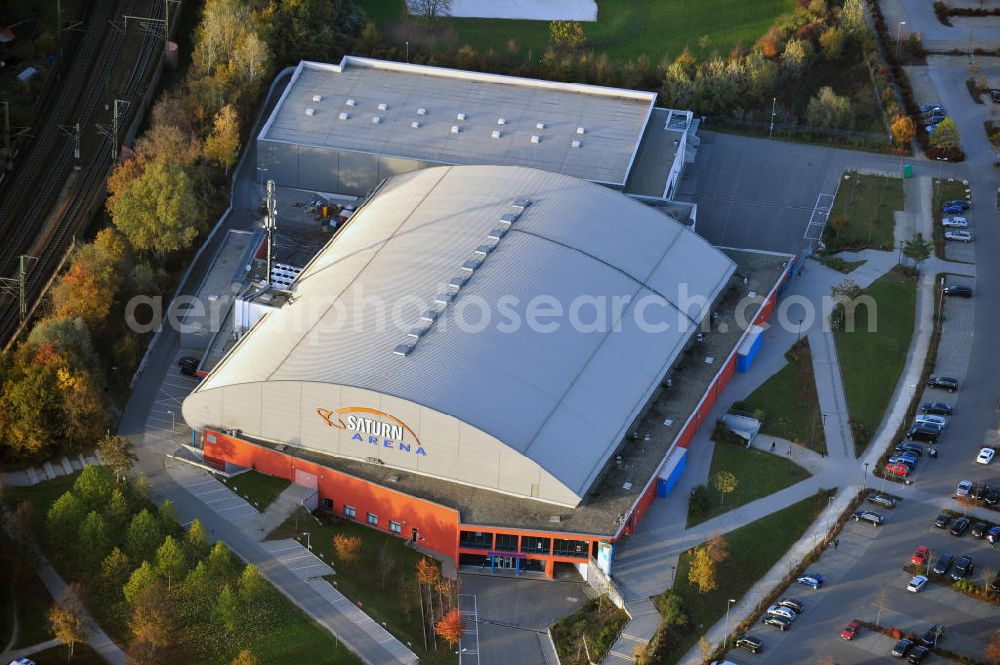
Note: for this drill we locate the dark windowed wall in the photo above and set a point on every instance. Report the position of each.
(535, 545)
(475, 540)
(506, 542)
(570, 548)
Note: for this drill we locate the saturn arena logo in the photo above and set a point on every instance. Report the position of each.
(393, 434)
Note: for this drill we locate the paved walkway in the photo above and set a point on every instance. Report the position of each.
(12, 655)
(532, 10)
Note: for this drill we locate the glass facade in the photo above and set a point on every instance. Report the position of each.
(570, 548)
(535, 545)
(506, 542)
(477, 540)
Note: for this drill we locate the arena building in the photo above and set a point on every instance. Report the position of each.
(469, 362)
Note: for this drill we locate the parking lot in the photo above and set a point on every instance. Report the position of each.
(217, 496)
(165, 427)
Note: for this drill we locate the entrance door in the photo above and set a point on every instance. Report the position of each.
(414, 534)
(305, 479)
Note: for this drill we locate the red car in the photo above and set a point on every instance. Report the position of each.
(849, 632)
(919, 557)
(898, 469)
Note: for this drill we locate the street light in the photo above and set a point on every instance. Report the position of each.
(725, 641)
(307, 534)
(800, 329)
(899, 36)
(864, 477)
(173, 420)
(899, 259)
(407, 52)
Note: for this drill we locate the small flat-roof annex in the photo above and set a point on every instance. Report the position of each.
(453, 117)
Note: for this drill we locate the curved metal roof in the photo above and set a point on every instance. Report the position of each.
(564, 397)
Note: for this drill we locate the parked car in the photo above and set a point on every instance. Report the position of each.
(901, 648)
(792, 604)
(933, 635)
(964, 488)
(780, 611)
(927, 433)
(995, 96)
(955, 222)
(995, 584)
(943, 382)
(958, 236)
(985, 456)
(942, 520)
(962, 568)
(917, 655)
(882, 500)
(850, 632)
(908, 447)
(994, 535)
(779, 622)
(992, 498)
(957, 290)
(979, 530)
(938, 408)
(931, 108)
(917, 582)
(943, 564)
(952, 209)
(919, 557)
(870, 516)
(898, 469)
(188, 366)
(927, 418)
(907, 457)
(750, 643)
(813, 580)
(959, 527)
(979, 491)
(964, 204)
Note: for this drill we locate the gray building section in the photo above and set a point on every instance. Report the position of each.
(344, 128)
(407, 342)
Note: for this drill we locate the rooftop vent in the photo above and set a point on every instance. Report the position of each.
(421, 111)
(510, 217)
(350, 102)
(404, 349)
(418, 330)
(580, 130)
(383, 107)
(310, 111)
(455, 129)
(317, 98)
(496, 133)
(430, 315)
(444, 298)
(536, 138)
(575, 144)
(473, 263)
(460, 116)
(501, 121)
(376, 119)
(344, 115)
(458, 281)
(498, 233)
(415, 124)
(522, 203)
(539, 125)
(485, 249)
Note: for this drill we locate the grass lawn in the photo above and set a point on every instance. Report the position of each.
(82, 655)
(392, 600)
(758, 474)
(625, 29)
(871, 362)
(258, 488)
(945, 189)
(600, 621)
(862, 212)
(839, 264)
(754, 549)
(33, 603)
(789, 402)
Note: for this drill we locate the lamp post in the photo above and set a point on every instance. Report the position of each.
(800, 330)
(407, 52)
(864, 477)
(173, 420)
(308, 535)
(725, 641)
(899, 36)
(899, 259)
(774, 107)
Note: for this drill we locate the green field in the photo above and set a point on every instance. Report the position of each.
(871, 362)
(599, 621)
(759, 474)
(789, 402)
(258, 488)
(625, 29)
(862, 214)
(754, 549)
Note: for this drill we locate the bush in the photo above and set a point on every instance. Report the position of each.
(701, 500)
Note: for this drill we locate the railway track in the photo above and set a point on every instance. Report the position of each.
(37, 203)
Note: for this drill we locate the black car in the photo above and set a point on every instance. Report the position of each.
(943, 564)
(959, 526)
(980, 491)
(963, 568)
(901, 648)
(943, 382)
(992, 498)
(869, 516)
(188, 366)
(956, 290)
(882, 500)
(995, 96)
(907, 447)
(933, 635)
(918, 654)
(937, 408)
(779, 622)
(923, 432)
(995, 584)
(792, 604)
(750, 643)
(979, 530)
(942, 520)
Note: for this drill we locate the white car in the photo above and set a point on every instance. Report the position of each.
(916, 584)
(778, 610)
(941, 421)
(964, 487)
(955, 223)
(986, 455)
(958, 236)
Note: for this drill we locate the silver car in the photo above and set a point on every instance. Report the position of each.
(929, 419)
(955, 223)
(781, 611)
(958, 236)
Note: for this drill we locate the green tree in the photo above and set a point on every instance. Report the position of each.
(252, 586)
(143, 537)
(159, 211)
(832, 42)
(918, 249)
(198, 592)
(30, 410)
(197, 539)
(828, 109)
(567, 35)
(219, 560)
(141, 578)
(673, 611)
(117, 512)
(227, 611)
(168, 515)
(170, 560)
(796, 56)
(946, 135)
(153, 617)
(223, 144)
(852, 17)
(64, 518)
(94, 486)
(116, 569)
(94, 539)
(118, 453)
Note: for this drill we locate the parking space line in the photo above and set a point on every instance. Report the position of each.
(820, 213)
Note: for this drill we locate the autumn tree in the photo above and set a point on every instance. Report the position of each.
(223, 144)
(828, 109)
(832, 42)
(903, 129)
(87, 289)
(159, 211)
(946, 135)
(348, 548)
(66, 618)
(153, 617)
(702, 572)
(718, 548)
(450, 627)
(993, 648)
(724, 483)
(245, 657)
(567, 35)
(118, 453)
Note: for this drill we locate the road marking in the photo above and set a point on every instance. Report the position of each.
(818, 217)
(469, 647)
